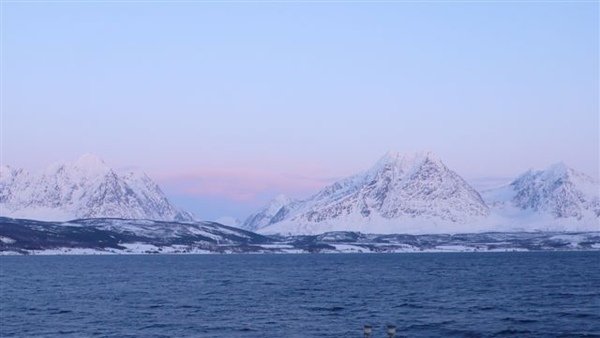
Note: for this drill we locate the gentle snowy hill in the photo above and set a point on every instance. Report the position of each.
(557, 198)
(399, 194)
(85, 188)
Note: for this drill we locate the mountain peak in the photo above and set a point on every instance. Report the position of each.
(280, 199)
(395, 156)
(5, 170)
(553, 173)
(404, 162)
(89, 161)
(556, 170)
(85, 188)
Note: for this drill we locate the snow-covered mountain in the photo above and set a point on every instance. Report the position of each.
(413, 193)
(557, 198)
(275, 211)
(85, 188)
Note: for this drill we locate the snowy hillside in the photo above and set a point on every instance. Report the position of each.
(557, 198)
(400, 194)
(85, 188)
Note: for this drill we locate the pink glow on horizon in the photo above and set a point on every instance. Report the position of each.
(240, 185)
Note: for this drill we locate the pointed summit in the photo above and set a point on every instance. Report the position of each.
(89, 159)
(5, 170)
(89, 162)
(558, 170)
(389, 157)
(405, 161)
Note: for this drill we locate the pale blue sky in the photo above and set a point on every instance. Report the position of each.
(227, 104)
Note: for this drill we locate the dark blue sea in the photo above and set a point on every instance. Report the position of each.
(543, 294)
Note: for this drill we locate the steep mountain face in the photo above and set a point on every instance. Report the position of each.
(401, 193)
(556, 195)
(86, 188)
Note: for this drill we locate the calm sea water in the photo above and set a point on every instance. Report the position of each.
(424, 295)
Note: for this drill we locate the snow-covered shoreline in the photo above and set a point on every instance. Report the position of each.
(325, 248)
(122, 236)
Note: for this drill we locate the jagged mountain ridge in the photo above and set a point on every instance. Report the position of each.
(419, 194)
(85, 188)
(399, 193)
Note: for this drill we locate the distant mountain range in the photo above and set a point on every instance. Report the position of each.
(85, 188)
(417, 193)
(408, 194)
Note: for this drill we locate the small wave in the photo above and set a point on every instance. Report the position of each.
(326, 309)
(578, 315)
(484, 307)
(408, 305)
(247, 329)
(462, 333)
(578, 335)
(519, 320)
(155, 326)
(507, 332)
(60, 312)
(63, 332)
